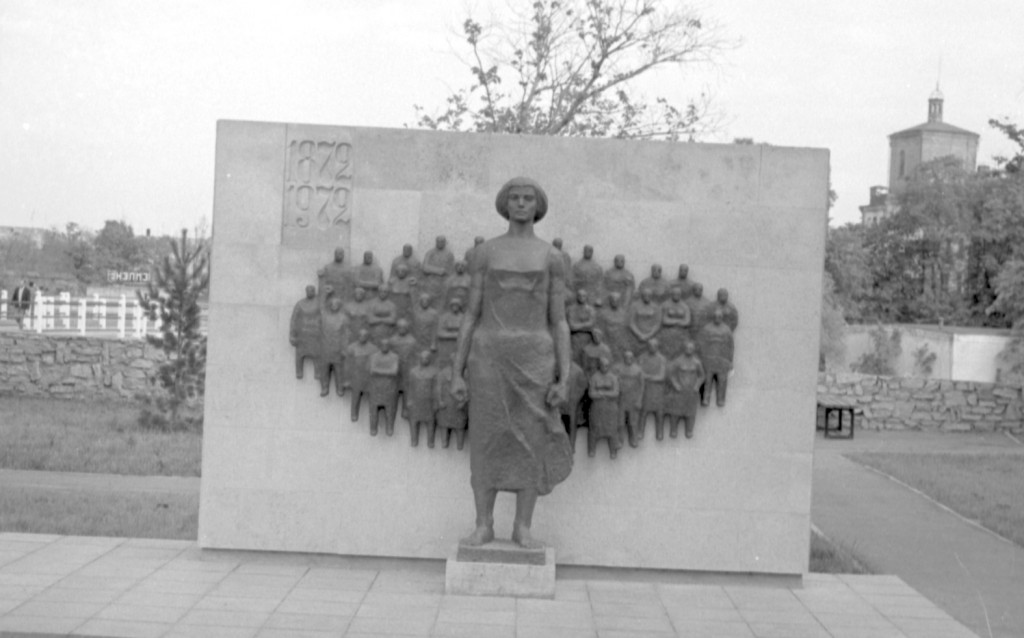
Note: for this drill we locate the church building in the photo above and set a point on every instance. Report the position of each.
(917, 145)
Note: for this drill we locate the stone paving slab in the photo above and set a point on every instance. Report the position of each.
(51, 586)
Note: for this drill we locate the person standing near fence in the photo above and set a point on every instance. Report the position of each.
(21, 298)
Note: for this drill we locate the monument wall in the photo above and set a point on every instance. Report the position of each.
(286, 470)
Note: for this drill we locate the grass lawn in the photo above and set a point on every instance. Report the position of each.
(828, 557)
(988, 488)
(81, 513)
(83, 436)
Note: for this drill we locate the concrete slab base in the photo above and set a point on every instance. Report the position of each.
(520, 578)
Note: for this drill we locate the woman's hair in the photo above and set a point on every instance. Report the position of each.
(501, 201)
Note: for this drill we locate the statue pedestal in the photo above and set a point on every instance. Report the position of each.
(501, 568)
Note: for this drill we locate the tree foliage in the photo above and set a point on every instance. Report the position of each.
(1011, 165)
(1009, 289)
(569, 67)
(173, 296)
(116, 246)
(75, 257)
(78, 247)
(847, 267)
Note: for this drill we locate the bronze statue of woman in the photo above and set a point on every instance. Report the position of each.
(514, 348)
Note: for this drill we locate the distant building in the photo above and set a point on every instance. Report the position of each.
(917, 145)
(27, 233)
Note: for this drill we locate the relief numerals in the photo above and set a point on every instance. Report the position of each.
(318, 183)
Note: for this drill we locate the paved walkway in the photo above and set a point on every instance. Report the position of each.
(972, 574)
(89, 586)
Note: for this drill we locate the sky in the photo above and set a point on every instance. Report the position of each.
(108, 109)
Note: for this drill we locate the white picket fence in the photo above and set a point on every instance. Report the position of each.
(94, 316)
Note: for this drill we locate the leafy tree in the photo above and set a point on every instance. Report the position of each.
(937, 205)
(1009, 288)
(847, 265)
(173, 297)
(569, 68)
(1011, 165)
(117, 247)
(77, 245)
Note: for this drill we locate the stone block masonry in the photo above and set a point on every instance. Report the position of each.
(895, 403)
(77, 367)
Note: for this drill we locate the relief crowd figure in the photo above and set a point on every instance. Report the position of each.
(683, 282)
(424, 322)
(438, 263)
(631, 397)
(685, 376)
(587, 274)
(420, 399)
(368, 274)
(716, 350)
(656, 284)
(383, 387)
(582, 319)
(452, 417)
(654, 366)
(618, 280)
(675, 324)
(357, 311)
(333, 344)
(644, 319)
(407, 259)
(403, 290)
(603, 423)
(357, 366)
(381, 316)
(404, 344)
(335, 278)
(304, 332)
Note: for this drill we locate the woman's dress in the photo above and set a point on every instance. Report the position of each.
(517, 441)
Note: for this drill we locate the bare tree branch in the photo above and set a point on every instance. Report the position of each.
(570, 67)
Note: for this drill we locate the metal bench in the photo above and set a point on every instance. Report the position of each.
(840, 406)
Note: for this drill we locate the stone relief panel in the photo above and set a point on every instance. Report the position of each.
(658, 352)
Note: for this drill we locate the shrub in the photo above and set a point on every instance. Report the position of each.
(883, 356)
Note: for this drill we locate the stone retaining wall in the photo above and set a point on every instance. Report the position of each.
(76, 367)
(898, 403)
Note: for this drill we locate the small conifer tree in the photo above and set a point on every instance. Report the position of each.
(173, 297)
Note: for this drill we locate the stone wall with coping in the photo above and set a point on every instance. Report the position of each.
(897, 403)
(76, 367)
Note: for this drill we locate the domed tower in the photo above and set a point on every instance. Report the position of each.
(914, 146)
